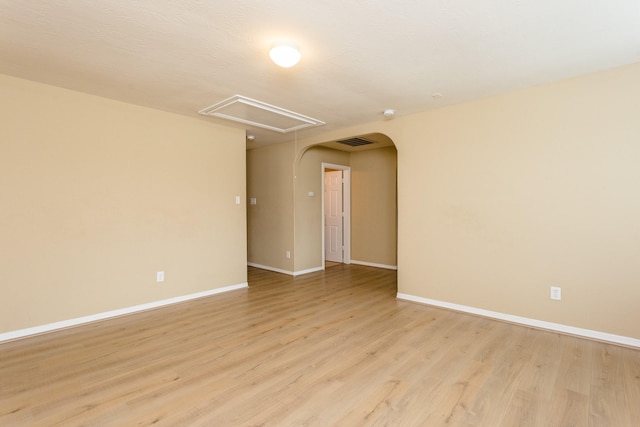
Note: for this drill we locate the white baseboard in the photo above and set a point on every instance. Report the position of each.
(372, 264)
(269, 268)
(279, 270)
(539, 324)
(310, 270)
(22, 333)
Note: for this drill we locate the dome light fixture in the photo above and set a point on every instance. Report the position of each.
(285, 55)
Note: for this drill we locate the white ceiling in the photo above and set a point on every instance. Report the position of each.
(359, 56)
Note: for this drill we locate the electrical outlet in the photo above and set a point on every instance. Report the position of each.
(160, 276)
(287, 254)
(556, 293)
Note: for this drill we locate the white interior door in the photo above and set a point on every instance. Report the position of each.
(333, 216)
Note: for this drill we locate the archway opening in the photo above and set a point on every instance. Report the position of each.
(370, 237)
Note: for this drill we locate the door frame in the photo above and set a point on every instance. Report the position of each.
(346, 209)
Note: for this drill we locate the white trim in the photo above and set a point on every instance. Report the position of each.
(279, 270)
(307, 271)
(266, 267)
(346, 208)
(214, 110)
(22, 333)
(539, 324)
(373, 264)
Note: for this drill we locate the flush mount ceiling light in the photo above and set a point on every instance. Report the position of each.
(285, 55)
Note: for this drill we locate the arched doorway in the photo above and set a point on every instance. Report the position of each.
(371, 193)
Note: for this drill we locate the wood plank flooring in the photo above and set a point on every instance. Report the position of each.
(332, 348)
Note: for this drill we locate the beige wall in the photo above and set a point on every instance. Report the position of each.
(524, 191)
(497, 200)
(500, 198)
(97, 196)
(374, 206)
(270, 220)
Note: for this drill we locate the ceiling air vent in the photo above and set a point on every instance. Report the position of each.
(355, 142)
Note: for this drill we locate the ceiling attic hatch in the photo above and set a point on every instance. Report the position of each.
(260, 114)
(355, 142)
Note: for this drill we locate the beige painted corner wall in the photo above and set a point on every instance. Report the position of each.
(308, 224)
(501, 198)
(270, 220)
(504, 197)
(374, 206)
(97, 196)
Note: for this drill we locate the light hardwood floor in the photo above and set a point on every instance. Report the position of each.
(332, 348)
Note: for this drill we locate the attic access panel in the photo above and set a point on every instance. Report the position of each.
(249, 111)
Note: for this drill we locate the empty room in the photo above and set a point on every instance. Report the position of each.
(337, 213)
